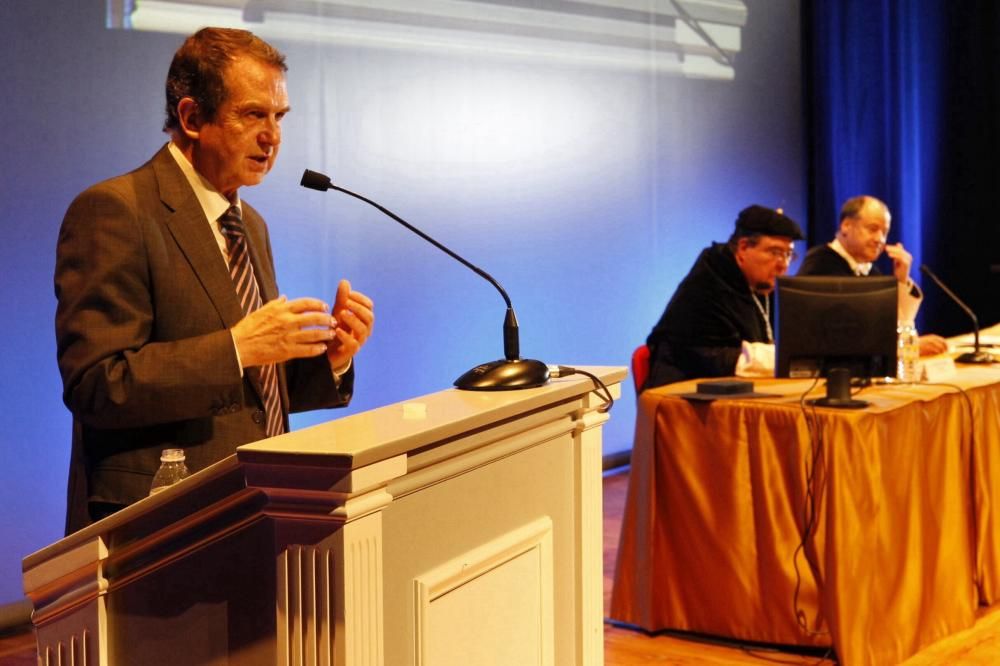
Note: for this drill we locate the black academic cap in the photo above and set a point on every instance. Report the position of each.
(761, 220)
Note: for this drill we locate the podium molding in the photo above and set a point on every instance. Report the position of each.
(454, 528)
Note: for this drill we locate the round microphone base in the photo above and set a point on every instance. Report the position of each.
(975, 357)
(504, 375)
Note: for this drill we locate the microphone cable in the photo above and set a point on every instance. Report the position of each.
(813, 459)
(809, 509)
(600, 388)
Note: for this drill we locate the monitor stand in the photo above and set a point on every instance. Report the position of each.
(838, 391)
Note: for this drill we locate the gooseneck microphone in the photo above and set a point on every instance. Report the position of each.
(975, 356)
(510, 372)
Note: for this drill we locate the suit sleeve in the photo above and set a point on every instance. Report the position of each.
(908, 301)
(311, 385)
(115, 373)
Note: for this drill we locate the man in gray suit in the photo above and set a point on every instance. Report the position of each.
(157, 345)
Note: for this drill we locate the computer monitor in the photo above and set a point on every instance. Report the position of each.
(841, 327)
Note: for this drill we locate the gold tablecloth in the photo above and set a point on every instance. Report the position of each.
(906, 541)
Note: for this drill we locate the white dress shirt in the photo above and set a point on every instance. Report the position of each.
(910, 295)
(215, 204)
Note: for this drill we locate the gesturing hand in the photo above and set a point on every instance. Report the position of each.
(354, 315)
(901, 260)
(282, 329)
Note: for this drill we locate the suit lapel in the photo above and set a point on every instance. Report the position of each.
(189, 228)
(187, 224)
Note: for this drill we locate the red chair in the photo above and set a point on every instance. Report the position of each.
(640, 367)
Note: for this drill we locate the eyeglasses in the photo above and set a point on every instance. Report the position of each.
(788, 256)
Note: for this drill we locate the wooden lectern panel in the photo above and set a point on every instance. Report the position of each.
(457, 528)
(493, 603)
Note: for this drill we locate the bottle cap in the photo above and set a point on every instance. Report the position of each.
(172, 455)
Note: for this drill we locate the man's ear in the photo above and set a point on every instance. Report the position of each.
(741, 246)
(189, 117)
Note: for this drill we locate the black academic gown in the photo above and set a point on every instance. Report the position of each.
(710, 314)
(824, 260)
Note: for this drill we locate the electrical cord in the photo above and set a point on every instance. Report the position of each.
(809, 505)
(968, 402)
(600, 387)
(809, 512)
(763, 655)
(813, 460)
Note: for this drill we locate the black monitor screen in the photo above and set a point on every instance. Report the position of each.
(836, 322)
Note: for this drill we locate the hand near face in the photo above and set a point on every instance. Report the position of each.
(355, 316)
(901, 260)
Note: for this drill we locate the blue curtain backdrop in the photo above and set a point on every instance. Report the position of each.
(901, 99)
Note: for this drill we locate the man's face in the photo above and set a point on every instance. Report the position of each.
(764, 262)
(238, 147)
(864, 235)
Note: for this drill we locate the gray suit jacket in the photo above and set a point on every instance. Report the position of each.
(145, 302)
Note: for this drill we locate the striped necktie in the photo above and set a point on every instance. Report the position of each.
(241, 271)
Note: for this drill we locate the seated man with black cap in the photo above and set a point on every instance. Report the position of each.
(718, 322)
(860, 240)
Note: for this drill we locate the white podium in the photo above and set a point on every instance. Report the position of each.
(457, 528)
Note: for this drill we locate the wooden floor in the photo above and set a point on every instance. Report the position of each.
(979, 645)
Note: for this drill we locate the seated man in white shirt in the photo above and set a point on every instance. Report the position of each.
(864, 228)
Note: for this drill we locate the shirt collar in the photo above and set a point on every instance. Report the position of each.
(859, 269)
(213, 202)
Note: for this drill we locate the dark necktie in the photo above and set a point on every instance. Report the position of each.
(241, 270)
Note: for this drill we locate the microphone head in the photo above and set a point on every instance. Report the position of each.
(924, 269)
(314, 180)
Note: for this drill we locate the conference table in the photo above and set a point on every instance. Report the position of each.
(874, 531)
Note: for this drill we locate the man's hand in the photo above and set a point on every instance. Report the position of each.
(931, 345)
(901, 260)
(282, 330)
(354, 314)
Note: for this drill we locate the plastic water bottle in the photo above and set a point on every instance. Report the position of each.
(907, 353)
(172, 469)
